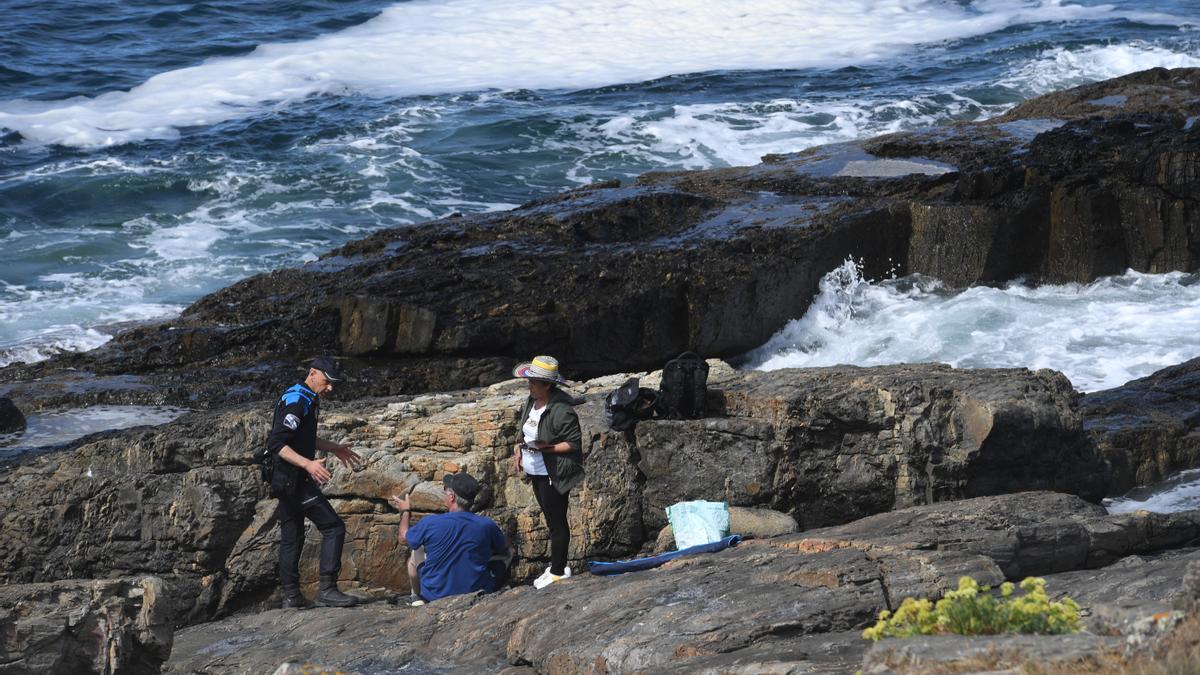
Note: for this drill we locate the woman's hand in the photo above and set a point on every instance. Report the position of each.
(517, 459)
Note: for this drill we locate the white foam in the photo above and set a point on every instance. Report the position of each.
(1059, 68)
(57, 427)
(1180, 492)
(69, 312)
(1100, 335)
(704, 135)
(430, 47)
(46, 342)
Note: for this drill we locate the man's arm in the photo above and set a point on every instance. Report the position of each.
(405, 507)
(342, 452)
(314, 467)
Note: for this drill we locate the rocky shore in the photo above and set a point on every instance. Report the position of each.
(154, 547)
(887, 471)
(616, 278)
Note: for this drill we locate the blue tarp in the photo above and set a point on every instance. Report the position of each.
(639, 564)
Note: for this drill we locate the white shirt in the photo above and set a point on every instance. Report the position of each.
(531, 460)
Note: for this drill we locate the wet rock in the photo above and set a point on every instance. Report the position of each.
(1148, 428)
(11, 419)
(85, 626)
(1061, 189)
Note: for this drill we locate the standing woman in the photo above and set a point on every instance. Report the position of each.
(550, 452)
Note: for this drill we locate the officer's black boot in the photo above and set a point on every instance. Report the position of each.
(330, 596)
(294, 599)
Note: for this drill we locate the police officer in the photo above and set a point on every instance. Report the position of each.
(296, 481)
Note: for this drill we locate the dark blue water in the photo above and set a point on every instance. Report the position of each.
(151, 152)
(56, 49)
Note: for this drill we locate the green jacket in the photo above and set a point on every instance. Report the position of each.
(559, 423)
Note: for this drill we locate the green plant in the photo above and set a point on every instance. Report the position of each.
(972, 610)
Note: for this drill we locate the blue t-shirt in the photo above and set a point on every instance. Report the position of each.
(458, 546)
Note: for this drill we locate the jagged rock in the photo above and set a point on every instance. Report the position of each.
(1060, 189)
(795, 603)
(823, 446)
(828, 445)
(1148, 428)
(169, 501)
(11, 418)
(85, 626)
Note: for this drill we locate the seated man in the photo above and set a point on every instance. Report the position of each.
(455, 552)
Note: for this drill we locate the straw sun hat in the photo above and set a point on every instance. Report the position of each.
(544, 368)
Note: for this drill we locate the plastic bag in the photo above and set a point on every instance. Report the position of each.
(698, 522)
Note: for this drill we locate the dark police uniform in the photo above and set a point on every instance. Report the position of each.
(295, 425)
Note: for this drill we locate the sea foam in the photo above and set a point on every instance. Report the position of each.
(1100, 335)
(1179, 492)
(1059, 68)
(427, 47)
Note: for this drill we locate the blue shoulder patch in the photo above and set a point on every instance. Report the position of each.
(296, 394)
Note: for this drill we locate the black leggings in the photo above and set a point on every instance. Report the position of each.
(554, 508)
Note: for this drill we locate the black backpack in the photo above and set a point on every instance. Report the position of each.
(684, 391)
(628, 404)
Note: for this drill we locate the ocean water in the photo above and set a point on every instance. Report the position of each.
(152, 151)
(47, 429)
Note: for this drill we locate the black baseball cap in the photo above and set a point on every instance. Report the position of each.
(328, 365)
(462, 484)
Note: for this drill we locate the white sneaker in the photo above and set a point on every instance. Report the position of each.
(547, 578)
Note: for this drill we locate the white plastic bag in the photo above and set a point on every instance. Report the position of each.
(698, 522)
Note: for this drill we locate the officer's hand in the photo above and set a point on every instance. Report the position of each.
(316, 469)
(348, 456)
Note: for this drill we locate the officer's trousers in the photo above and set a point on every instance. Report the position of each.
(311, 504)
